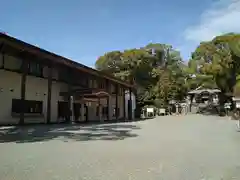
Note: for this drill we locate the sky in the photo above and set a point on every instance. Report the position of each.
(83, 30)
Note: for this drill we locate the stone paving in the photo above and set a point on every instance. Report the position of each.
(191, 147)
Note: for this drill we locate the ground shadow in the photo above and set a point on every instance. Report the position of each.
(67, 132)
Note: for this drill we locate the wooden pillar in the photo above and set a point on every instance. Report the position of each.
(99, 110)
(24, 70)
(116, 111)
(109, 105)
(3, 56)
(130, 104)
(69, 99)
(82, 110)
(3, 59)
(49, 95)
(72, 117)
(124, 103)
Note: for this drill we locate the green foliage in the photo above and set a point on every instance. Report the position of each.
(160, 75)
(110, 62)
(156, 69)
(219, 59)
(237, 86)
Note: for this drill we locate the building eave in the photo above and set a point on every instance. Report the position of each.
(23, 46)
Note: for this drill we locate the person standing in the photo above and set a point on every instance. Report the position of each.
(227, 107)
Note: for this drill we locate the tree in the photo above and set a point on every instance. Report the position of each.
(109, 62)
(156, 70)
(219, 59)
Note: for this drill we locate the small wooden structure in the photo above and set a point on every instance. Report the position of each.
(203, 97)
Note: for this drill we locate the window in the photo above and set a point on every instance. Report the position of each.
(35, 69)
(101, 85)
(64, 75)
(30, 106)
(81, 79)
(63, 109)
(16, 105)
(93, 83)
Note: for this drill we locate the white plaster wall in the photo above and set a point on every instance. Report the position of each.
(8, 81)
(36, 89)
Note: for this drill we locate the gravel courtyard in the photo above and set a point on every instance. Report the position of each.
(191, 147)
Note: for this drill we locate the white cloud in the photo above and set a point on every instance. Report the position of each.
(222, 17)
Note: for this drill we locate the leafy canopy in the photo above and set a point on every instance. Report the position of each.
(156, 69)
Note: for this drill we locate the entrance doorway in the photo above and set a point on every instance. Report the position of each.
(129, 109)
(63, 111)
(77, 112)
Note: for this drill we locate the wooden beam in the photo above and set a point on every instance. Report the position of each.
(24, 70)
(49, 95)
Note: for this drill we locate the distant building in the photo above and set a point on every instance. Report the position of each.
(203, 96)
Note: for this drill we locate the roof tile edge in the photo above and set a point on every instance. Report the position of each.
(104, 75)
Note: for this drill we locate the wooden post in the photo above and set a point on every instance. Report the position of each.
(116, 111)
(69, 110)
(3, 58)
(130, 104)
(49, 96)
(72, 109)
(24, 70)
(99, 109)
(108, 100)
(124, 103)
(82, 110)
